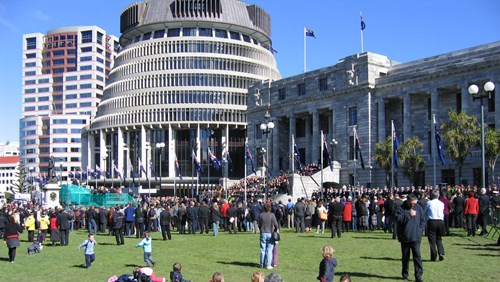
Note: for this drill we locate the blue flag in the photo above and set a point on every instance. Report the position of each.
(249, 156)
(215, 162)
(395, 146)
(297, 153)
(358, 150)
(363, 25)
(438, 143)
(178, 168)
(197, 164)
(309, 32)
(153, 171)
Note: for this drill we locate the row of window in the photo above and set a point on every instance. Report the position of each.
(70, 69)
(192, 46)
(180, 80)
(33, 81)
(185, 63)
(175, 97)
(301, 89)
(173, 115)
(193, 31)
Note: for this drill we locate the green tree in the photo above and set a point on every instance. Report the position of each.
(383, 156)
(492, 149)
(22, 185)
(460, 133)
(410, 156)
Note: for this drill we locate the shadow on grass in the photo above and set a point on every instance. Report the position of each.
(107, 244)
(4, 259)
(240, 263)
(374, 238)
(381, 258)
(79, 266)
(370, 275)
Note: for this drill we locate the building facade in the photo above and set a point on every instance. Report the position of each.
(64, 74)
(368, 92)
(179, 89)
(8, 173)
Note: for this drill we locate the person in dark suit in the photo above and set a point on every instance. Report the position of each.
(484, 211)
(63, 221)
(299, 212)
(165, 221)
(103, 219)
(203, 216)
(118, 225)
(458, 204)
(411, 221)
(140, 218)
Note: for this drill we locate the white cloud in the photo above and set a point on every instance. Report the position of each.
(39, 15)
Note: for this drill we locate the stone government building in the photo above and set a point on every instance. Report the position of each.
(367, 91)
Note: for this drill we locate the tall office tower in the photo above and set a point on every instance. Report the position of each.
(179, 89)
(64, 74)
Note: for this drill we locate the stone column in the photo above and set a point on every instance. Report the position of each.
(102, 149)
(435, 106)
(308, 157)
(122, 157)
(171, 152)
(292, 125)
(315, 145)
(464, 93)
(381, 121)
(275, 152)
(406, 117)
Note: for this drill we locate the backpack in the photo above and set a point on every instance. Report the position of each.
(307, 211)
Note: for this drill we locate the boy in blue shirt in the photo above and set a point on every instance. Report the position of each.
(146, 243)
(89, 250)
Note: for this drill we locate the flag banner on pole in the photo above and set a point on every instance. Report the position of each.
(309, 32)
(249, 156)
(153, 171)
(363, 25)
(215, 162)
(97, 171)
(84, 175)
(327, 152)
(71, 174)
(267, 167)
(117, 171)
(78, 174)
(274, 51)
(178, 168)
(358, 149)
(438, 143)
(142, 169)
(297, 154)
(131, 170)
(395, 146)
(197, 164)
(230, 164)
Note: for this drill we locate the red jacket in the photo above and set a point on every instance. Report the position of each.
(347, 215)
(471, 206)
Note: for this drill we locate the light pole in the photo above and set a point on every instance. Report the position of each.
(334, 144)
(266, 128)
(159, 146)
(60, 174)
(104, 157)
(474, 90)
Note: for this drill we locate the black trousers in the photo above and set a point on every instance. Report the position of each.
(204, 225)
(414, 247)
(435, 231)
(165, 232)
(337, 226)
(64, 236)
(119, 236)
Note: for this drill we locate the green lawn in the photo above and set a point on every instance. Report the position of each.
(370, 256)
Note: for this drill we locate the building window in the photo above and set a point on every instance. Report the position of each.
(87, 36)
(353, 116)
(86, 49)
(189, 31)
(459, 102)
(234, 35)
(300, 127)
(173, 32)
(220, 33)
(31, 43)
(448, 176)
(205, 32)
(323, 84)
(282, 94)
(31, 56)
(71, 96)
(44, 80)
(159, 33)
(99, 37)
(60, 130)
(301, 89)
(146, 36)
(58, 53)
(71, 106)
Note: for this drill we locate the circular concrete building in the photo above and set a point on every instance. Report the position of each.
(178, 91)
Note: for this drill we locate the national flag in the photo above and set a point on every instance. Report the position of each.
(71, 174)
(358, 149)
(78, 174)
(142, 169)
(325, 150)
(117, 171)
(108, 174)
(215, 162)
(230, 164)
(297, 156)
(178, 168)
(395, 146)
(131, 170)
(197, 164)
(84, 175)
(274, 51)
(438, 142)
(153, 171)
(363, 25)
(309, 32)
(249, 157)
(267, 168)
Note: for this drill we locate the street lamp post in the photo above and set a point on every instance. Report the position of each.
(474, 90)
(334, 144)
(104, 158)
(266, 128)
(159, 146)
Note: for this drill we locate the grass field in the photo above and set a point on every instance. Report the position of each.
(369, 256)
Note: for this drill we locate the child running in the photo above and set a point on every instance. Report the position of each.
(147, 245)
(89, 250)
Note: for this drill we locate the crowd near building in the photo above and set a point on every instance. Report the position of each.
(64, 75)
(187, 93)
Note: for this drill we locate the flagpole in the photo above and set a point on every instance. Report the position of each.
(321, 144)
(362, 49)
(304, 33)
(245, 158)
(434, 151)
(392, 156)
(176, 172)
(354, 155)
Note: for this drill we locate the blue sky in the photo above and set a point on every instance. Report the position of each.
(402, 30)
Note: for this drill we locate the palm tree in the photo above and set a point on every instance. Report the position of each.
(410, 155)
(383, 156)
(461, 133)
(492, 150)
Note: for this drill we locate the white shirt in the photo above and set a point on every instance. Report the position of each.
(434, 209)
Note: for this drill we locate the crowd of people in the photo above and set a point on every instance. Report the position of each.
(342, 210)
